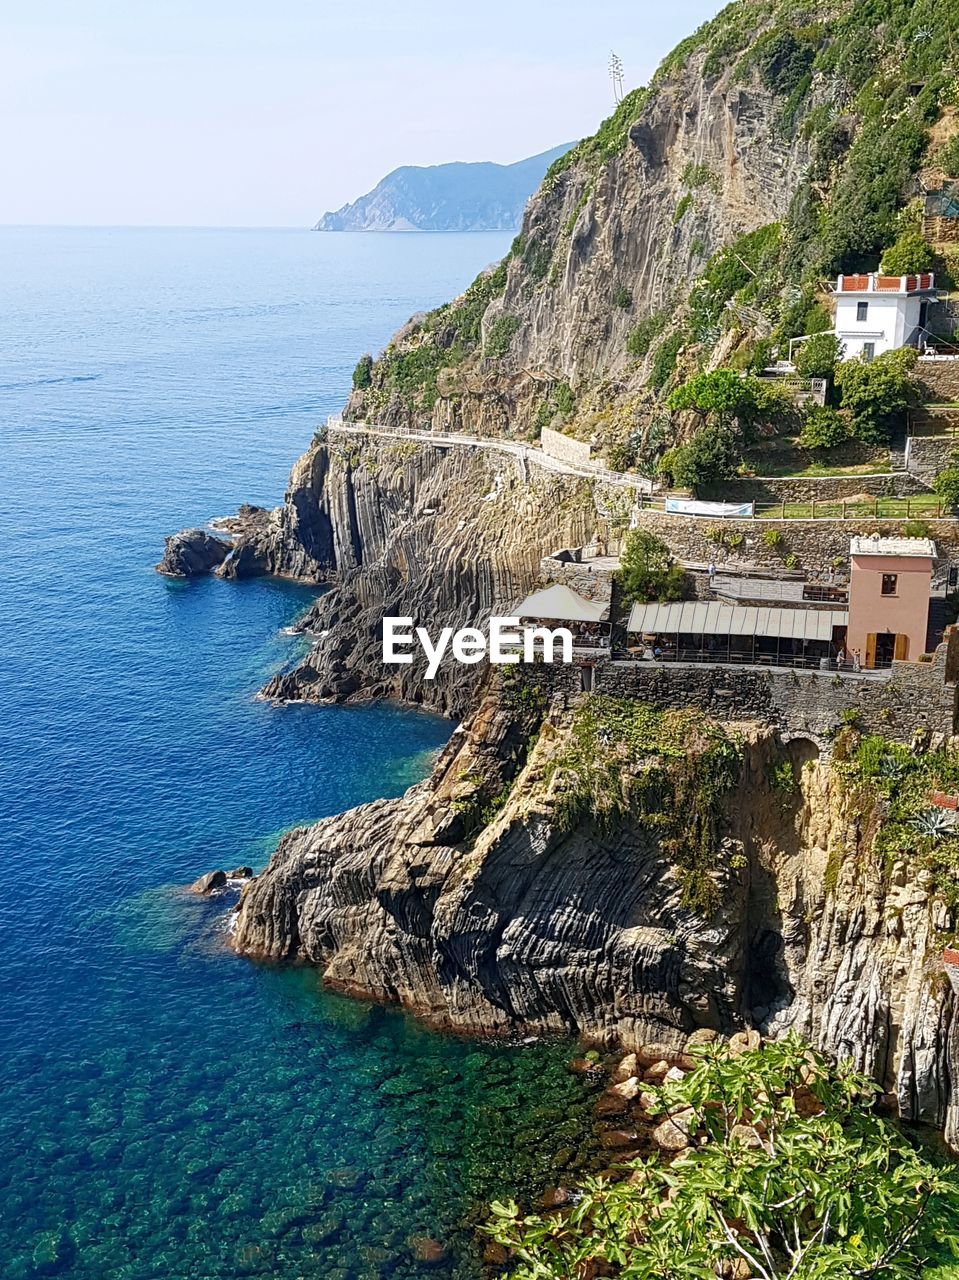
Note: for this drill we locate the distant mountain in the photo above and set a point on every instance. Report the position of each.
(446, 197)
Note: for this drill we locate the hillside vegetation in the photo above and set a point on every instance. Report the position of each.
(700, 226)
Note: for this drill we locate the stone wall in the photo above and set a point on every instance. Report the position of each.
(595, 583)
(797, 703)
(565, 448)
(816, 544)
(939, 379)
(764, 489)
(926, 456)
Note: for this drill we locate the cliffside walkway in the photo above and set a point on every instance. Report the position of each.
(527, 454)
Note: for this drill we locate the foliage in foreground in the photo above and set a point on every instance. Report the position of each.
(794, 1178)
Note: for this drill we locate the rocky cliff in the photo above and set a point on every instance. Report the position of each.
(446, 197)
(485, 901)
(700, 224)
(446, 535)
(683, 889)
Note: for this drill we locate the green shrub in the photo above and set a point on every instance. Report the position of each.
(563, 398)
(823, 428)
(818, 356)
(698, 175)
(783, 60)
(948, 157)
(946, 484)
(363, 373)
(500, 335)
(623, 298)
(878, 393)
(713, 454)
(664, 361)
(771, 538)
(915, 529)
(682, 208)
(909, 256)
(647, 570)
(741, 271)
(642, 337)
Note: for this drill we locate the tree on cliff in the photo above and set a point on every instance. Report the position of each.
(878, 393)
(647, 570)
(790, 1173)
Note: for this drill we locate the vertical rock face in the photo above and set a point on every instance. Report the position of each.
(593, 229)
(523, 925)
(447, 536)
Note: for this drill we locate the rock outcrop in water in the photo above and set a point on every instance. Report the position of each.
(191, 553)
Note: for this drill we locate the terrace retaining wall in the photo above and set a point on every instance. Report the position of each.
(915, 695)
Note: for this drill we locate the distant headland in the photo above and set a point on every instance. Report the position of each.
(460, 196)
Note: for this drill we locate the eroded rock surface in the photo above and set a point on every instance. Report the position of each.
(528, 926)
(191, 553)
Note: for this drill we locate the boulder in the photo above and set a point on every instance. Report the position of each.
(617, 1139)
(555, 1198)
(628, 1068)
(609, 1105)
(647, 1055)
(192, 552)
(427, 1251)
(585, 1067)
(656, 1073)
(628, 1089)
(673, 1133)
(206, 884)
(240, 873)
(675, 1074)
(744, 1042)
(702, 1035)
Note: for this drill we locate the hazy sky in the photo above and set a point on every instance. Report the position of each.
(249, 113)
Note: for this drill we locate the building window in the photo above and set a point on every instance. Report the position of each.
(890, 582)
(868, 351)
(862, 310)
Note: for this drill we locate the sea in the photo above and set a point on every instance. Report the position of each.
(168, 1110)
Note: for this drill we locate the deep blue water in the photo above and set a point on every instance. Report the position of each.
(167, 1110)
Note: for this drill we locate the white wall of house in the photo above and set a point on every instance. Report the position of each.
(871, 323)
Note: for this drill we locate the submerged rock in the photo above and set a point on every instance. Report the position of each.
(427, 1251)
(191, 553)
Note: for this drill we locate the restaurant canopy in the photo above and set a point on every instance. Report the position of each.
(710, 618)
(560, 603)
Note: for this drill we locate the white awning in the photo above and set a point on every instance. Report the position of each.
(710, 618)
(558, 602)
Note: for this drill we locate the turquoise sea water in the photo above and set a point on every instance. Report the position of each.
(167, 1110)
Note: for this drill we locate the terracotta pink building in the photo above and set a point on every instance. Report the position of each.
(889, 588)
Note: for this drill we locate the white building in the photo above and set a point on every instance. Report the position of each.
(876, 313)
